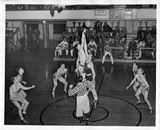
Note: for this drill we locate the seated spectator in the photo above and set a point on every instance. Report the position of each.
(115, 31)
(123, 34)
(117, 39)
(98, 36)
(62, 46)
(132, 47)
(149, 43)
(153, 31)
(140, 46)
(153, 53)
(73, 46)
(92, 47)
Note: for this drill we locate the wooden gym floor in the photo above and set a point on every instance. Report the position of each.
(117, 107)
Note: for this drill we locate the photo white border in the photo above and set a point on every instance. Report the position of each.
(69, 2)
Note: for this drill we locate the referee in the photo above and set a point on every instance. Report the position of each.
(83, 105)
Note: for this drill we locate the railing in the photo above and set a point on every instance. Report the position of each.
(12, 39)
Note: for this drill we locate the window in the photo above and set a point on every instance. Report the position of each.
(59, 28)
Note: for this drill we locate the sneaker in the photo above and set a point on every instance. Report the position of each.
(53, 95)
(139, 102)
(151, 111)
(26, 114)
(82, 124)
(65, 90)
(24, 121)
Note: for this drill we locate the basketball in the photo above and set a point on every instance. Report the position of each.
(88, 23)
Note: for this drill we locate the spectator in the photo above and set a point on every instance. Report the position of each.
(92, 47)
(140, 46)
(123, 34)
(149, 43)
(139, 33)
(37, 34)
(132, 46)
(147, 32)
(62, 46)
(117, 39)
(98, 36)
(29, 36)
(153, 31)
(100, 46)
(97, 27)
(72, 48)
(116, 31)
(107, 29)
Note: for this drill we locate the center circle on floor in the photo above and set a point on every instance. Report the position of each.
(112, 111)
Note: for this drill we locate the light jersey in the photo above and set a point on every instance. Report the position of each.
(107, 48)
(60, 72)
(63, 45)
(92, 45)
(135, 71)
(141, 81)
(17, 89)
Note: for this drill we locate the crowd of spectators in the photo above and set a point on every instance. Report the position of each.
(102, 34)
(97, 38)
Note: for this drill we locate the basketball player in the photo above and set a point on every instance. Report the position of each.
(135, 71)
(82, 53)
(20, 73)
(82, 100)
(144, 88)
(20, 77)
(17, 98)
(62, 71)
(107, 51)
(90, 76)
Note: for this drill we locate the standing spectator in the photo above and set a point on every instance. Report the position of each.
(132, 46)
(22, 45)
(29, 36)
(153, 31)
(97, 27)
(139, 33)
(100, 46)
(107, 29)
(37, 34)
(147, 32)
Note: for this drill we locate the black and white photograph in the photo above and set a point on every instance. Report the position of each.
(79, 65)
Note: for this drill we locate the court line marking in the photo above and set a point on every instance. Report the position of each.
(140, 115)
